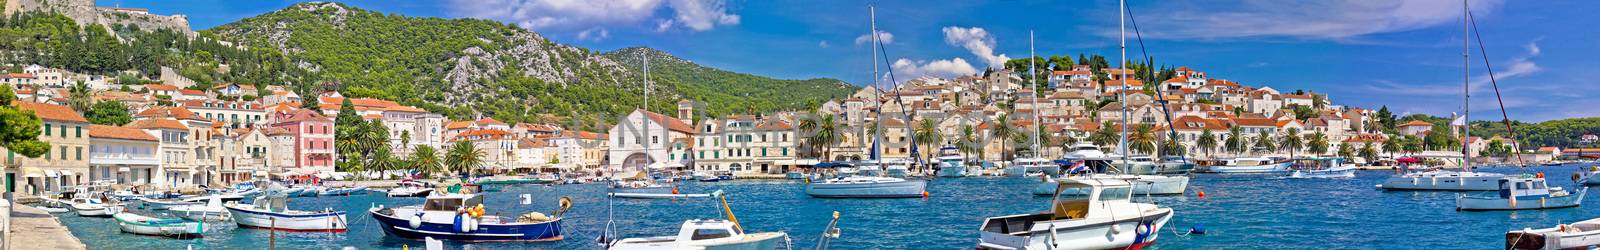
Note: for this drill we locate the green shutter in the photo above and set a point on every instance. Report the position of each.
(78, 130)
(47, 129)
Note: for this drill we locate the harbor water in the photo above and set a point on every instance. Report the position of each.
(1249, 212)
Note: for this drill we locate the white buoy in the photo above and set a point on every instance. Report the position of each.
(527, 199)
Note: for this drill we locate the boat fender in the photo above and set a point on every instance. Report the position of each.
(472, 224)
(1576, 176)
(1141, 232)
(1539, 175)
(459, 224)
(1116, 229)
(415, 221)
(1199, 229)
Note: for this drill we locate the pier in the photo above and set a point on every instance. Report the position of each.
(32, 228)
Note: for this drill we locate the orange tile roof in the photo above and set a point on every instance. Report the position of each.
(168, 112)
(158, 123)
(457, 125)
(303, 115)
(191, 92)
(1367, 138)
(488, 121)
(17, 75)
(1416, 123)
(671, 123)
(401, 108)
(114, 132)
(482, 134)
(1255, 122)
(51, 112)
(1194, 123)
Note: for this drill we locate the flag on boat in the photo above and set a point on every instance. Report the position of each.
(1078, 167)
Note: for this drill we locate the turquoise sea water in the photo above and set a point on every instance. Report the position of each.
(1248, 212)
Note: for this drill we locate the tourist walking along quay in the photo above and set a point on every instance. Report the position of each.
(713, 124)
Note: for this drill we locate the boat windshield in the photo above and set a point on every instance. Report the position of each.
(1116, 194)
(706, 234)
(451, 204)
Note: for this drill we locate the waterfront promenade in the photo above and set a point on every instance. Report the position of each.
(32, 228)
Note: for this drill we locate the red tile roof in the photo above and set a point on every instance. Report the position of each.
(303, 115)
(671, 123)
(1255, 122)
(51, 112)
(482, 134)
(1416, 123)
(114, 132)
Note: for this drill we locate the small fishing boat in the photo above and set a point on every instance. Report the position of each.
(1579, 235)
(1589, 176)
(638, 185)
(409, 188)
(212, 210)
(54, 206)
(1521, 193)
(507, 180)
(270, 212)
(229, 197)
(312, 191)
(1032, 167)
(706, 234)
(461, 217)
(1174, 165)
(146, 225)
(1249, 165)
(294, 191)
(155, 204)
(708, 178)
(867, 187)
(1107, 218)
(1323, 167)
(794, 175)
(342, 191)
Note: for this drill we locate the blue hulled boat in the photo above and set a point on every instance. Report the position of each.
(461, 217)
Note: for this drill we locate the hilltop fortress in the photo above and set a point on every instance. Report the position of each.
(85, 12)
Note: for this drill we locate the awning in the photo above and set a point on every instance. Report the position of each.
(123, 169)
(51, 173)
(66, 172)
(32, 172)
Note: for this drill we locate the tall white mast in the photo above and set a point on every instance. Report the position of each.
(877, 99)
(1122, 93)
(1466, 92)
(645, 123)
(1035, 83)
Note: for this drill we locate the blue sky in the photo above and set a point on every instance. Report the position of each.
(1404, 54)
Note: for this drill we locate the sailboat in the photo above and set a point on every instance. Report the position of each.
(1451, 180)
(870, 186)
(1142, 173)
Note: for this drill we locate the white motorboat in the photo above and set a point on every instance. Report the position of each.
(705, 234)
(1580, 235)
(1444, 180)
(1142, 184)
(212, 210)
(410, 188)
(1032, 166)
(145, 225)
(342, 191)
(1085, 151)
(89, 201)
(867, 187)
(270, 212)
(641, 186)
(951, 163)
(1521, 193)
(1323, 167)
(54, 206)
(1107, 218)
(1249, 165)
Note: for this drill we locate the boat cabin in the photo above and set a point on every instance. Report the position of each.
(1068, 205)
(1523, 187)
(707, 229)
(451, 202)
(1251, 161)
(272, 203)
(1318, 162)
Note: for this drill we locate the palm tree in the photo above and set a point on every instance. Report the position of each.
(928, 134)
(1105, 137)
(969, 141)
(809, 124)
(425, 160)
(1391, 145)
(1002, 130)
(1412, 145)
(1264, 142)
(463, 157)
(78, 97)
(1045, 140)
(1142, 139)
(1234, 144)
(381, 160)
(828, 132)
(1292, 141)
(1318, 143)
(1345, 150)
(1206, 142)
(1368, 152)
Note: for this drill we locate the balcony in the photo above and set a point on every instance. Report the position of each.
(123, 158)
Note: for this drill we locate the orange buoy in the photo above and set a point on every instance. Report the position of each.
(924, 194)
(1202, 194)
(1539, 175)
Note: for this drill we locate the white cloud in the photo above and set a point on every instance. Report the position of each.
(977, 41)
(594, 34)
(702, 15)
(1512, 69)
(696, 15)
(823, 44)
(1330, 20)
(884, 36)
(905, 69)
